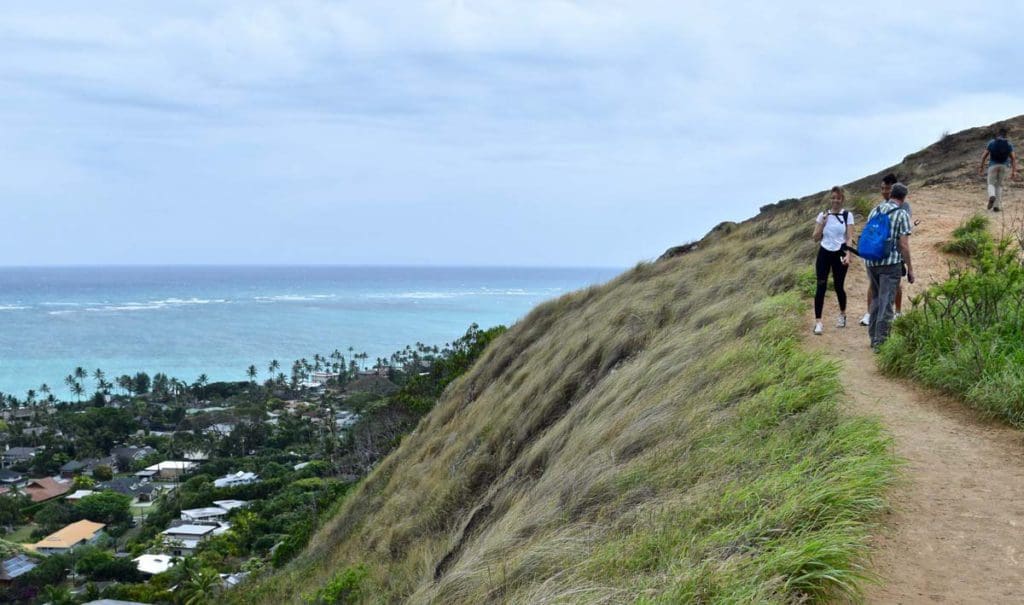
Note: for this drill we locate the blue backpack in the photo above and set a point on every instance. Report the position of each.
(875, 241)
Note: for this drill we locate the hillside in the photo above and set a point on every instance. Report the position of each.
(665, 437)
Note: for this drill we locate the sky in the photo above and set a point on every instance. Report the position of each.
(535, 132)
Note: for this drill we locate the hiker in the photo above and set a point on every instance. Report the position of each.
(887, 182)
(886, 271)
(832, 230)
(1001, 158)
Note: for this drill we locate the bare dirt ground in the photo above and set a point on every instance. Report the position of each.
(955, 533)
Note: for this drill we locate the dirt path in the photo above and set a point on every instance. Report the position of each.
(956, 531)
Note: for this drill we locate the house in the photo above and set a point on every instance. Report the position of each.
(167, 470)
(230, 580)
(185, 539)
(140, 490)
(204, 515)
(72, 536)
(230, 505)
(79, 494)
(9, 477)
(70, 469)
(126, 456)
(154, 564)
(196, 456)
(345, 419)
(15, 455)
(236, 479)
(41, 490)
(221, 428)
(13, 567)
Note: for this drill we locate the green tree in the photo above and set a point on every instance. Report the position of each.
(201, 587)
(11, 506)
(111, 508)
(58, 595)
(103, 473)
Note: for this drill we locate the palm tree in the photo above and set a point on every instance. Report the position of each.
(30, 397)
(80, 373)
(56, 595)
(44, 389)
(99, 376)
(274, 366)
(78, 390)
(251, 372)
(200, 588)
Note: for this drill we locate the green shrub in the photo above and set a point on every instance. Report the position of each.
(807, 282)
(970, 238)
(345, 587)
(964, 335)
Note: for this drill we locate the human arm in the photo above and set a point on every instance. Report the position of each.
(904, 244)
(1013, 165)
(848, 244)
(819, 227)
(984, 158)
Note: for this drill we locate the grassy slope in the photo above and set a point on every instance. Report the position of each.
(660, 438)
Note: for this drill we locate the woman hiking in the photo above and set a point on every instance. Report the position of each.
(832, 229)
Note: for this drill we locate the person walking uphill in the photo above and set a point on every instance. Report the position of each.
(885, 270)
(1001, 159)
(832, 230)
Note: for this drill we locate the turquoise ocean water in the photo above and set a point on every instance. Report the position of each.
(185, 321)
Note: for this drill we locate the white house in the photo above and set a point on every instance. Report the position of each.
(204, 515)
(168, 469)
(184, 539)
(154, 564)
(236, 479)
(230, 505)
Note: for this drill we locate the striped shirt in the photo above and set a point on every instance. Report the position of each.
(899, 225)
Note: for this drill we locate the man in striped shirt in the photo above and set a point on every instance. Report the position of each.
(885, 274)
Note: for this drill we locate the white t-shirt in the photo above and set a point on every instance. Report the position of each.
(833, 236)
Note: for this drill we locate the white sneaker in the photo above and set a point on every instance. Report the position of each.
(818, 328)
(897, 314)
(866, 320)
(841, 322)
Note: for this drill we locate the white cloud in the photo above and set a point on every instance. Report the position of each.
(478, 110)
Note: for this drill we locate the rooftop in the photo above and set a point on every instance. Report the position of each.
(189, 530)
(70, 536)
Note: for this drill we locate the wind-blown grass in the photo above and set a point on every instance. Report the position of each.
(964, 335)
(659, 439)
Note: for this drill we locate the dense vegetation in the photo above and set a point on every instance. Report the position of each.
(964, 335)
(267, 429)
(661, 438)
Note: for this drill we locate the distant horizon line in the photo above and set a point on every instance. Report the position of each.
(297, 265)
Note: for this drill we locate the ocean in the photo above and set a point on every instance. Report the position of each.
(187, 321)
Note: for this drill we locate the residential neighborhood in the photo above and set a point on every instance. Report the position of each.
(115, 492)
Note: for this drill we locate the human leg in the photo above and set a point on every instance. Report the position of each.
(872, 308)
(887, 280)
(871, 295)
(996, 172)
(821, 268)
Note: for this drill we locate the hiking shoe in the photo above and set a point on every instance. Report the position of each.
(866, 320)
(991, 201)
(841, 322)
(897, 315)
(818, 328)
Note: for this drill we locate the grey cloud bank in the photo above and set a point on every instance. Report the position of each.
(546, 133)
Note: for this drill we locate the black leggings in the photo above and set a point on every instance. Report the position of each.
(829, 260)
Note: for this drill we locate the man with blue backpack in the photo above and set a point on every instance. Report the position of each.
(1000, 157)
(885, 247)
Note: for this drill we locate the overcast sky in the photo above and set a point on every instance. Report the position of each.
(461, 132)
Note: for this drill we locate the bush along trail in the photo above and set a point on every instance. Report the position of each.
(955, 533)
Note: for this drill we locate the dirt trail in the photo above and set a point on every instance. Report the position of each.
(956, 530)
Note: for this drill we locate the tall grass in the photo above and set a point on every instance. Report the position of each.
(964, 335)
(659, 439)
